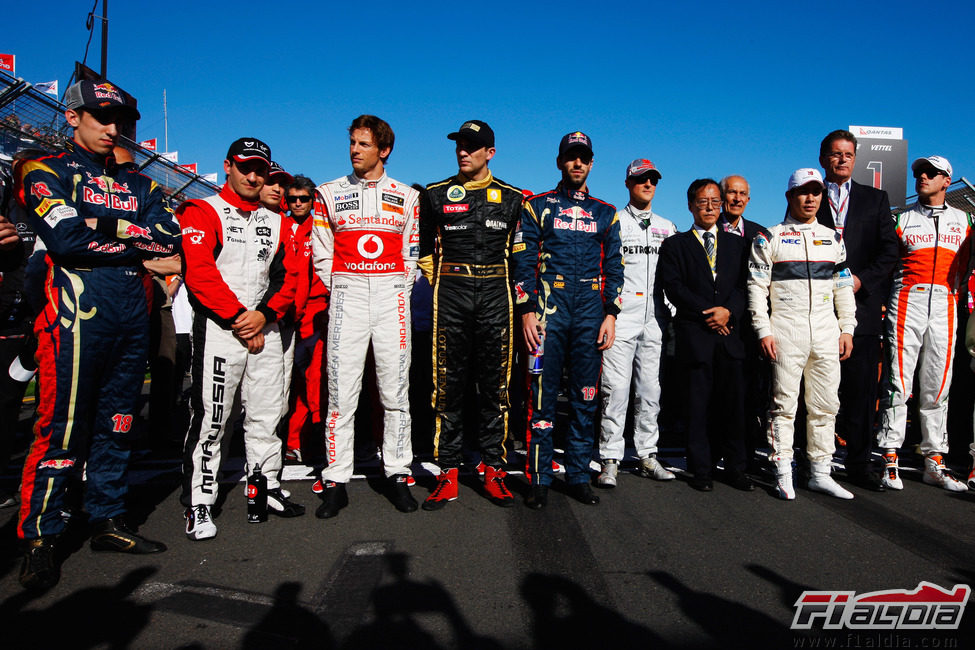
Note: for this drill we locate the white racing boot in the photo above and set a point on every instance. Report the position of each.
(783, 480)
(821, 481)
(935, 473)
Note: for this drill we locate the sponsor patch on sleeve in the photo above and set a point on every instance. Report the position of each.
(59, 212)
(517, 248)
(844, 278)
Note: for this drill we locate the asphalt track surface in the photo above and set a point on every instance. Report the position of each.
(654, 565)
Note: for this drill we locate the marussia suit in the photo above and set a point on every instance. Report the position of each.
(365, 252)
(569, 271)
(800, 268)
(233, 259)
(465, 238)
(921, 322)
(93, 334)
(639, 339)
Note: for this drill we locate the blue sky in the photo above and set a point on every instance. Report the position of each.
(704, 89)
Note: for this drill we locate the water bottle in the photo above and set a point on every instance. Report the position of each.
(256, 497)
(535, 362)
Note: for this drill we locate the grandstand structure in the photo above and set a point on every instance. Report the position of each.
(31, 119)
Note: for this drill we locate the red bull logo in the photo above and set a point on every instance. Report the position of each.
(57, 463)
(542, 425)
(122, 188)
(520, 294)
(97, 180)
(133, 230)
(575, 212)
(107, 91)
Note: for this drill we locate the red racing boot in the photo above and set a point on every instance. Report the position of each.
(497, 491)
(445, 491)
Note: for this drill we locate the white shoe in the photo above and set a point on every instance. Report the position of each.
(650, 467)
(783, 480)
(199, 523)
(821, 481)
(935, 473)
(607, 477)
(892, 477)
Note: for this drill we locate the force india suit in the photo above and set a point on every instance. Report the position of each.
(567, 248)
(639, 339)
(93, 332)
(233, 258)
(365, 251)
(921, 322)
(465, 236)
(801, 268)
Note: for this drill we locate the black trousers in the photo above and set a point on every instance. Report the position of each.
(858, 401)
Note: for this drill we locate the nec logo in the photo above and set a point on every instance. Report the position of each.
(791, 240)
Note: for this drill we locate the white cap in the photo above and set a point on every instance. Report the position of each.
(803, 176)
(938, 162)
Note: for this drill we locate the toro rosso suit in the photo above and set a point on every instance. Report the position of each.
(465, 238)
(233, 258)
(921, 322)
(569, 270)
(639, 339)
(93, 333)
(365, 252)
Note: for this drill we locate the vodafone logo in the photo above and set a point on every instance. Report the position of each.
(370, 246)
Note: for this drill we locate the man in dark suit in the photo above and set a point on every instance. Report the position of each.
(702, 272)
(735, 193)
(861, 215)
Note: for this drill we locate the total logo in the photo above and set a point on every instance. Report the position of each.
(370, 247)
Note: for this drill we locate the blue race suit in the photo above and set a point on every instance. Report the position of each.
(569, 270)
(93, 333)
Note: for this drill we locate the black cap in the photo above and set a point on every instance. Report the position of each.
(474, 131)
(278, 170)
(249, 149)
(576, 139)
(98, 97)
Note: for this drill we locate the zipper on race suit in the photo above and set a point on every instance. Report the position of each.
(934, 262)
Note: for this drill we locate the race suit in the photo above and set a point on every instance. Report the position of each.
(311, 305)
(800, 269)
(639, 339)
(921, 322)
(233, 259)
(465, 236)
(365, 251)
(93, 332)
(566, 250)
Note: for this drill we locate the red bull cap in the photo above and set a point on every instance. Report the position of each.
(98, 97)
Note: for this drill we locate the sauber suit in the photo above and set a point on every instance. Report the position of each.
(93, 334)
(465, 236)
(639, 339)
(233, 258)
(921, 322)
(569, 270)
(365, 252)
(801, 269)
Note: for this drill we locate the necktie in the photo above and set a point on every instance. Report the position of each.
(709, 245)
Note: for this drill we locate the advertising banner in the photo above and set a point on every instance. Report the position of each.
(882, 160)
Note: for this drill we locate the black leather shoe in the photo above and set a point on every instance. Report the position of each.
(741, 482)
(582, 493)
(40, 570)
(538, 498)
(115, 535)
(701, 483)
(334, 498)
(866, 480)
(399, 494)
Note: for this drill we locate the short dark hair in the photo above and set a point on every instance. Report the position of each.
(833, 136)
(303, 183)
(382, 132)
(696, 186)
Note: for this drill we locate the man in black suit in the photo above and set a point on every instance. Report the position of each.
(702, 272)
(861, 215)
(735, 193)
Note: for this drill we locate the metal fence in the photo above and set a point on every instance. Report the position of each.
(961, 195)
(31, 119)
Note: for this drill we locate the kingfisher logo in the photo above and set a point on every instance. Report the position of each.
(928, 607)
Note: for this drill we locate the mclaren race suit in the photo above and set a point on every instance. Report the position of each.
(233, 256)
(569, 270)
(799, 269)
(639, 339)
(465, 238)
(921, 322)
(365, 251)
(93, 332)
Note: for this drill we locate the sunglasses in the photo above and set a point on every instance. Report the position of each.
(930, 172)
(301, 198)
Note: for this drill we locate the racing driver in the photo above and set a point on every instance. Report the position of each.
(566, 250)
(921, 322)
(365, 249)
(800, 262)
(98, 223)
(466, 225)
